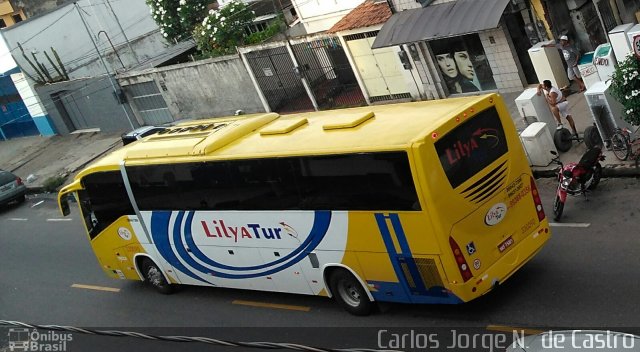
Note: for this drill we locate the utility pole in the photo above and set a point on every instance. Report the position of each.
(113, 85)
(122, 30)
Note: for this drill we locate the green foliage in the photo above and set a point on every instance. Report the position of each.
(191, 13)
(221, 31)
(177, 19)
(52, 184)
(274, 28)
(625, 87)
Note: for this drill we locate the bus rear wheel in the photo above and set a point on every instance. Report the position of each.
(349, 293)
(153, 275)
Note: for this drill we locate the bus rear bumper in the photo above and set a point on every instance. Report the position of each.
(506, 266)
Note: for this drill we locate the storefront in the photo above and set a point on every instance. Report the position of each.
(463, 46)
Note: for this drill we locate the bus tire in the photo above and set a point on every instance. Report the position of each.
(153, 275)
(349, 293)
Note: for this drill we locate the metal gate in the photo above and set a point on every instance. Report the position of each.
(275, 73)
(320, 63)
(150, 103)
(324, 64)
(606, 14)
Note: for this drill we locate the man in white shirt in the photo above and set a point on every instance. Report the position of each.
(571, 57)
(558, 104)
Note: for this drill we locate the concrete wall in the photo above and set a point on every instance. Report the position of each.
(320, 15)
(90, 103)
(63, 30)
(208, 88)
(502, 60)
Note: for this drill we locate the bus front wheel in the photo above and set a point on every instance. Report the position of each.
(153, 275)
(349, 293)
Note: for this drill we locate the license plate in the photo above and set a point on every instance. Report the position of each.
(506, 244)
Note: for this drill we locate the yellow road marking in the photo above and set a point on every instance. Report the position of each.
(504, 328)
(97, 288)
(271, 305)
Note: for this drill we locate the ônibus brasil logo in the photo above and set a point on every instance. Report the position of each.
(219, 229)
(32, 340)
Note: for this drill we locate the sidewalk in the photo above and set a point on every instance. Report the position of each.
(38, 159)
(583, 119)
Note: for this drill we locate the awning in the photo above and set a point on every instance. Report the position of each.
(440, 21)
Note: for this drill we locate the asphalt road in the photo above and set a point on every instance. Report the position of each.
(585, 277)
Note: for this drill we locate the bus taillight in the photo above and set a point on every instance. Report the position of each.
(536, 200)
(462, 263)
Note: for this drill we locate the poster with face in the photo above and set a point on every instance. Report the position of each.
(463, 64)
(465, 67)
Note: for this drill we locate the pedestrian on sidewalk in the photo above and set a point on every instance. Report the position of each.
(558, 104)
(571, 57)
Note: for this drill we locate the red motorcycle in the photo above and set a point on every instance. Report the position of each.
(577, 178)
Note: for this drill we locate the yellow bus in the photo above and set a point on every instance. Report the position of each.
(425, 202)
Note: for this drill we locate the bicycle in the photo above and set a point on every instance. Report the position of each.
(625, 145)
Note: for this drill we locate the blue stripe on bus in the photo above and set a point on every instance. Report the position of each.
(406, 254)
(322, 220)
(160, 234)
(383, 288)
(393, 256)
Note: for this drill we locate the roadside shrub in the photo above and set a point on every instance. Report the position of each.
(625, 87)
(52, 184)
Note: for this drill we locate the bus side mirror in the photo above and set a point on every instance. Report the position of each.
(64, 206)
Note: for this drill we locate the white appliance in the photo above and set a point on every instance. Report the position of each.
(634, 31)
(605, 110)
(538, 144)
(588, 70)
(548, 64)
(605, 61)
(619, 41)
(534, 108)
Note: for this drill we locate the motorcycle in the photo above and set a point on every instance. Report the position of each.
(577, 178)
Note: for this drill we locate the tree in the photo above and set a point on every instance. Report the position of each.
(625, 87)
(177, 19)
(221, 31)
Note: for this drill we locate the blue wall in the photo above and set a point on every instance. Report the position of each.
(15, 120)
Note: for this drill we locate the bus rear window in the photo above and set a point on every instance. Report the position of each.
(472, 146)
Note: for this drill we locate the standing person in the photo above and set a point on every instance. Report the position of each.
(558, 104)
(571, 57)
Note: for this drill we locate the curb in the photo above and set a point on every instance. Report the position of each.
(612, 170)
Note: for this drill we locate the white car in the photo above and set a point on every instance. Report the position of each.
(140, 133)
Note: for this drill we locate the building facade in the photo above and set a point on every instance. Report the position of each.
(10, 15)
(320, 15)
(71, 53)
